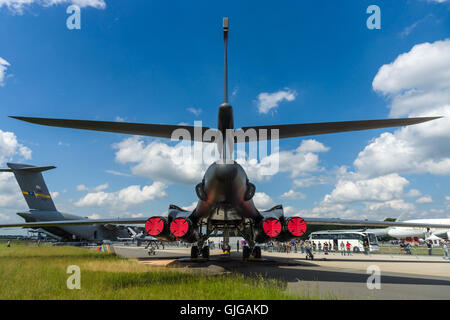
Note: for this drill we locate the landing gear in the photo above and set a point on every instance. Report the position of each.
(205, 252)
(194, 252)
(246, 253)
(257, 252)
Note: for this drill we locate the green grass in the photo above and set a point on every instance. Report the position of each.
(437, 251)
(30, 272)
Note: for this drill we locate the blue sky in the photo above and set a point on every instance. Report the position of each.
(153, 61)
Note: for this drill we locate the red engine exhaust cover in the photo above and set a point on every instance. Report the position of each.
(179, 227)
(272, 227)
(154, 226)
(297, 226)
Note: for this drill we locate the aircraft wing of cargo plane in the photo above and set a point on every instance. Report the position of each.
(225, 193)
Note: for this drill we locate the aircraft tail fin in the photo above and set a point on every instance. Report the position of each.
(32, 185)
(403, 217)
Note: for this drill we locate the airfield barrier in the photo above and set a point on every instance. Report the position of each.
(108, 248)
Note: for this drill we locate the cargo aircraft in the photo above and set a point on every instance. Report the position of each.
(42, 208)
(225, 193)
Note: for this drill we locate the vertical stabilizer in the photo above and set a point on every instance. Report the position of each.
(32, 185)
(404, 216)
(225, 39)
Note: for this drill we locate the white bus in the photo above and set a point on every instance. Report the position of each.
(335, 237)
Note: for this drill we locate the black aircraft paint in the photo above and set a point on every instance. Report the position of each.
(225, 193)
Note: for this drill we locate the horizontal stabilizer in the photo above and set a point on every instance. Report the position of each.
(25, 168)
(141, 129)
(32, 185)
(309, 129)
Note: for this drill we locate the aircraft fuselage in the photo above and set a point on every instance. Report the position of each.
(225, 186)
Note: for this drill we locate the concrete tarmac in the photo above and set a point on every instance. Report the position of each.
(329, 276)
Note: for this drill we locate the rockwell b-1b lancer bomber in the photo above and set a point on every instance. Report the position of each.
(225, 193)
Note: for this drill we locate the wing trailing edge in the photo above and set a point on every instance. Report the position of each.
(285, 130)
(141, 129)
(309, 129)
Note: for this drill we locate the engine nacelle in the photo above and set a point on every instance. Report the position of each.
(293, 227)
(296, 226)
(271, 225)
(276, 226)
(179, 228)
(158, 227)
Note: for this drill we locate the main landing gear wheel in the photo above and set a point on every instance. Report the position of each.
(194, 252)
(257, 252)
(205, 252)
(245, 253)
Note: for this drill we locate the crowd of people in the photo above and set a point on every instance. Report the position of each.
(311, 247)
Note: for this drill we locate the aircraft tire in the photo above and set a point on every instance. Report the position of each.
(205, 252)
(194, 252)
(257, 252)
(245, 253)
(356, 250)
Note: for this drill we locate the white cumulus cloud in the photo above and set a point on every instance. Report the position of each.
(425, 199)
(3, 67)
(131, 195)
(268, 101)
(18, 6)
(418, 84)
(9, 147)
(293, 195)
(262, 200)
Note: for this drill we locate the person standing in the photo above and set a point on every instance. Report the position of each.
(366, 247)
(408, 248)
(430, 247)
(237, 245)
(342, 248)
(445, 247)
(309, 254)
(348, 245)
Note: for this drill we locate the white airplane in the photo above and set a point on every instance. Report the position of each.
(415, 232)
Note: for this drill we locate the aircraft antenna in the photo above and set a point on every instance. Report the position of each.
(225, 39)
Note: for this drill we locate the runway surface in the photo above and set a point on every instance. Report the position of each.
(326, 277)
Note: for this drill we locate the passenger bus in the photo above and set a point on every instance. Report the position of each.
(335, 237)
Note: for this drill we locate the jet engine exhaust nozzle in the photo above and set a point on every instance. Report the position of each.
(179, 227)
(272, 227)
(296, 226)
(155, 226)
